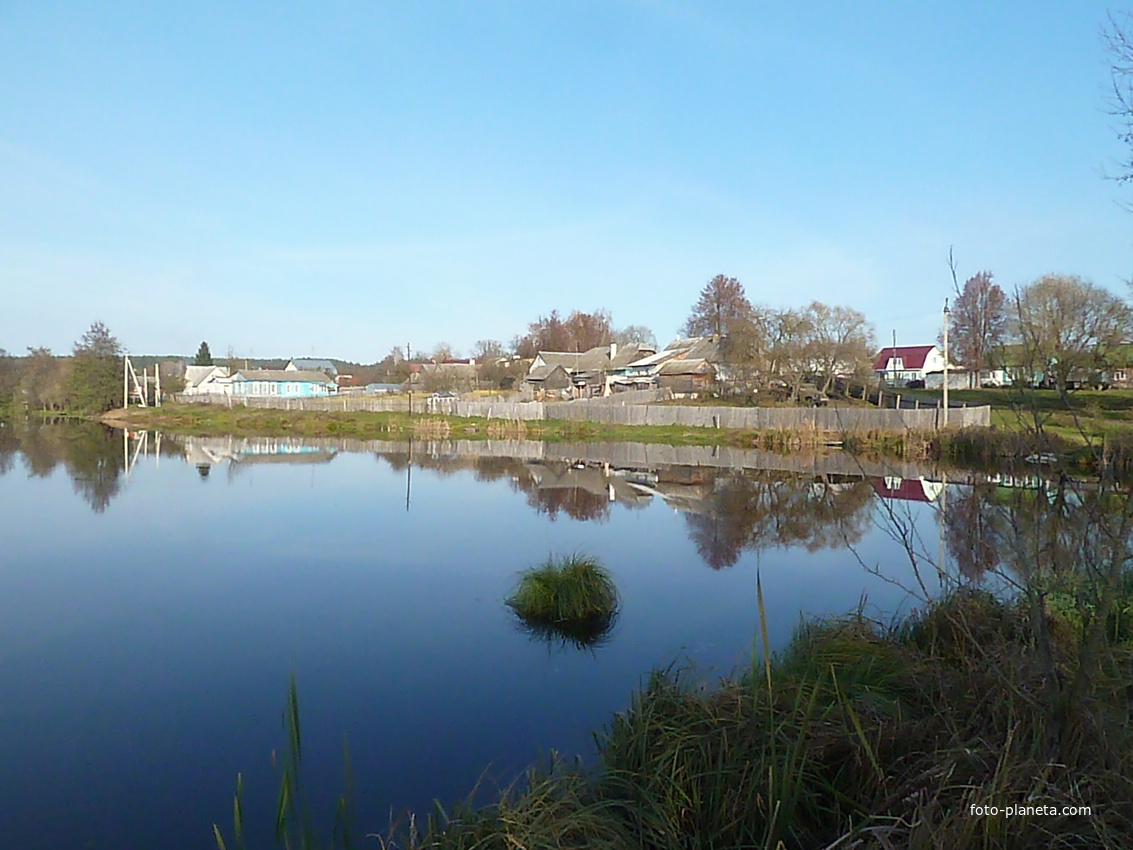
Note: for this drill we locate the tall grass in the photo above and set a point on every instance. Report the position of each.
(859, 734)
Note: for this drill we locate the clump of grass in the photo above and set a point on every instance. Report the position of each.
(572, 598)
(573, 587)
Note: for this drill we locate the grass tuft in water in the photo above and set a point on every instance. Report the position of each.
(572, 598)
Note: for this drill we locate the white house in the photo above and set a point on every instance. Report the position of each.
(207, 380)
(896, 365)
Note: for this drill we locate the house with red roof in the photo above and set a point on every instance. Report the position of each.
(896, 365)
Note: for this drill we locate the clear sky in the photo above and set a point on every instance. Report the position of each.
(336, 178)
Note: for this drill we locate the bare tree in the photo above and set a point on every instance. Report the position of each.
(639, 334)
(1119, 43)
(589, 330)
(978, 324)
(578, 332)
(487, 350)
(1069, 328)
(841, 342)
(722, 302)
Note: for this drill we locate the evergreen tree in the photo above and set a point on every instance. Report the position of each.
(204, 356)
(95, 382)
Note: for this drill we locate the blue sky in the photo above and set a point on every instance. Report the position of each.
(286, 179)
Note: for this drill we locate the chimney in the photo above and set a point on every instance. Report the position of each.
(613, 350)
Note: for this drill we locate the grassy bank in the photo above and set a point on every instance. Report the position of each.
(858, 735)
(1076, 417)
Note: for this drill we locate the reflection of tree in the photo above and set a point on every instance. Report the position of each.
(91, 454)
(972, 533)
(9, 448)
(1034, 532)
(95, 463)
(757, 512)
(575, 502)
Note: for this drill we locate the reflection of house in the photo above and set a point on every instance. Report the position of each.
(281, 383)
(897, 365)
(907, 489)
(206, 380)
(210, 451)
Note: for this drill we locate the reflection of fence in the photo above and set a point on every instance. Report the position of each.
(838, 419)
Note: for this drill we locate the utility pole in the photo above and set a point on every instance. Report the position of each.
(409, 380)
(946, 315)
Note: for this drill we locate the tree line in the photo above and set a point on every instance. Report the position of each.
(87, 381)
(1059, 329)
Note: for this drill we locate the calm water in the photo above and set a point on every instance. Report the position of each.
(154, 603)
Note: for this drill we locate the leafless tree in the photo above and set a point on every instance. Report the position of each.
(722, 302)
(1119, 43)
(631, 334)
(841, 342)
(1069, 327)
(978, 323)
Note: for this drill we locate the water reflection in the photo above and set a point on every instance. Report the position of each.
(90, 453)
(741, 502)
(1037, 529)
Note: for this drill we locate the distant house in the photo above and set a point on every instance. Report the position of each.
(593, 372)
(685, 376)
(206, 380)
(305, 364)
(685, 365)
(897, 365)
(281, 383)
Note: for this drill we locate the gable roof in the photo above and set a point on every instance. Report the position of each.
(913, 356)
(282, 375)
(312, 364)
(196, 375)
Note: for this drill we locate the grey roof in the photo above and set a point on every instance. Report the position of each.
(313, 364)
(282, 375)
(686, 366)
(542, 373)
(627, 354)
(579, 361)
(696, 348)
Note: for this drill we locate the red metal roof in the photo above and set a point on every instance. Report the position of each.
(913, 355)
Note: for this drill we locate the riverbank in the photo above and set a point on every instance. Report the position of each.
(980, 446)
(945, 730)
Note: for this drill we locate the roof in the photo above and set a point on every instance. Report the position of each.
(686, 366)
(194, 375)
(282, 375)
(913, 356)
(627, 354)
(311, 364)
(541, 373)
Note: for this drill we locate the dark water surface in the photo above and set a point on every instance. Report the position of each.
(153, 605)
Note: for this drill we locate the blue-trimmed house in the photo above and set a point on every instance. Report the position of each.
(280, 383)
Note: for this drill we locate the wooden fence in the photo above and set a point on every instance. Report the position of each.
(831, 418)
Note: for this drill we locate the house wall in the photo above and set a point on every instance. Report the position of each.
(278, 389)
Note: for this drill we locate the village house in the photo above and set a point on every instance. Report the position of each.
(206, 380)
(899, 365)
(582, 374)
(281, 383)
